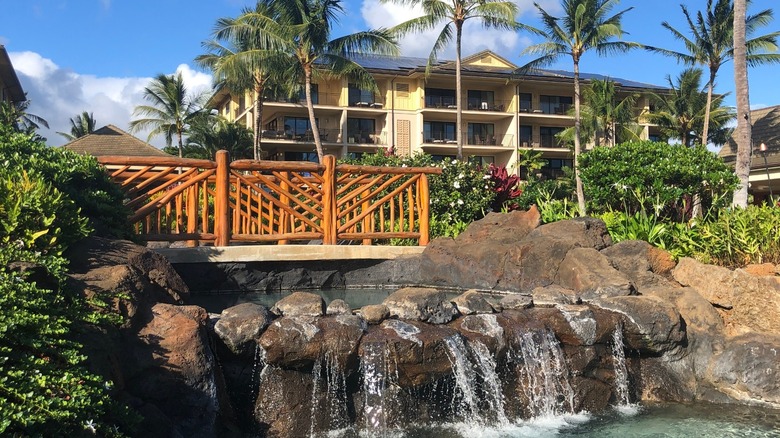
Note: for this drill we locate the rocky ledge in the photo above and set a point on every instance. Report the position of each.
(689, 331)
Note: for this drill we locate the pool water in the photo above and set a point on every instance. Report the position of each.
(664, 420)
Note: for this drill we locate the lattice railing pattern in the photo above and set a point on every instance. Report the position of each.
(202, 201)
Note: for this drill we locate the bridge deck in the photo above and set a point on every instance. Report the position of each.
(285, 253)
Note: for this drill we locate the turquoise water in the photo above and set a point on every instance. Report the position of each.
(656, 421)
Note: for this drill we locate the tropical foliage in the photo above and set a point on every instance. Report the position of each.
(213, 133)
(45, 390)
(171, 111)
(80, 126)
(16, 116)
(657, 177)
(586, 25)
(681, 112)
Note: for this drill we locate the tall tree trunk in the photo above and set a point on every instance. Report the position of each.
(577, 146)
(258, 120)
(179, 134)
(744, 132)
(706, 130)
(458, 89)
(315, 132)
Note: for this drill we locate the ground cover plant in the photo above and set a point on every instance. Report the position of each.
(45, 390)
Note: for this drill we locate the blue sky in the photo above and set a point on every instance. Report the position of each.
(97, 55)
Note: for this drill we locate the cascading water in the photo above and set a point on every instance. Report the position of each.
(329, 396)
(621, 372)
(543, 374)
(373, 367)
(475, 375)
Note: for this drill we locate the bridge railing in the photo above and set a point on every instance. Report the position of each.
(218, 202)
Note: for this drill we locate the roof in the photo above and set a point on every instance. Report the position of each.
(766, 129)
(407, 65)
(8, 79)
(110, 140)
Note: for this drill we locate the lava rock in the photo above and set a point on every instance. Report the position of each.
(240, 326)
(472, 302)
(338, 307)
(374, 313)
(591, 276)
(300, 304)
(421, 304)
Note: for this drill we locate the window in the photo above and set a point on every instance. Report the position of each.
(359, 96)
(439, 132)
(526, 136)
(439, 98)
(315, 95)
(478, 99)
(361, 130)
(297, 127)
(555, 104)
(525, 103)
(440, 158)
(553, 169)
(482, 160)
(481, 133)
(547, 136)
(402, 90)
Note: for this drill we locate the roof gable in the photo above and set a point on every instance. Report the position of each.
(486, 58)
(110, 140)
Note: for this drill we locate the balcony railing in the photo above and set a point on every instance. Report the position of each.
(367, 103)
(489, 140)
(326, 135)
(560, 109)
(550, 141)
(469, 104)
(318, 98)
(366, 137)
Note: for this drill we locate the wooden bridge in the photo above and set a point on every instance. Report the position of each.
(203, 202)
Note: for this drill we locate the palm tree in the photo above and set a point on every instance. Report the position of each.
(210, 134)
(497, 14)
(681, 112)
(172, 109)
(305, 26)
(80, 126)
(243, 57)
(585, 25)
(15, 115)
(604, 116)
(712, 42)
(744, 124)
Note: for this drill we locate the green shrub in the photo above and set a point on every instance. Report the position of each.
(537, 191)
(461, 194)
(658, 177)
(79, 178)
(737, 237)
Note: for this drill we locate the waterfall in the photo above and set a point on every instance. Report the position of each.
(373, 367)
(475, 375)
(329, 396)
(621, 372)
(543, 374)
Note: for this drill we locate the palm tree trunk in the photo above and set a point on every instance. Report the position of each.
(744, 128)
(315, 132)
(458, 89)
(577, 146)
(258, 121)
(181, 143)
(706, 131)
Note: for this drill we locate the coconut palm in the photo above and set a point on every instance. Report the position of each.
(305, 26)
(243, 57)
(680, 113)
(15, 115)
(744, 124)
(712, 42)
(585, 25)
(604, 117)
(172, 109)
(496, 14)
(210, 134)
(80, 126)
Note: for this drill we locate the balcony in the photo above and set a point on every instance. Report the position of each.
(550, 141)
(471, 104)
(331, 99)
(326, 136)
(489, 140)
(366, 137)
(560, 109)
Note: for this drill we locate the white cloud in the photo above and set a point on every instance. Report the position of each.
(475, 38)
(58, 94)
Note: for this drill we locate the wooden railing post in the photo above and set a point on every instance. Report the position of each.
(425, 210)
(284, 226)
(222, 201)
(329, 212)
(192, 213)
